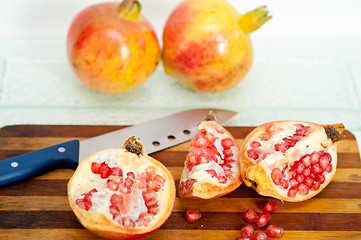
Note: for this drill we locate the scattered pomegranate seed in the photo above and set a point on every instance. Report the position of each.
(270, 207)
(193, 215)
(250, 215)
(274, 231)
(247, 231)
(260, 236)
(263, 219)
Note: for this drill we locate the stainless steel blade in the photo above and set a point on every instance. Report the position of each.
(156, 134)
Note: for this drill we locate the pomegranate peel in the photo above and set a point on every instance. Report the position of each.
(121, 204)
(295, 160)
(206, 44)
(111, 47)
(211, 168)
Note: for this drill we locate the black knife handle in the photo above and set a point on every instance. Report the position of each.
(33, 163)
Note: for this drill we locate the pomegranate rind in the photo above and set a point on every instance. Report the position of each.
(257, 176)
(102, 226)
(202, 190)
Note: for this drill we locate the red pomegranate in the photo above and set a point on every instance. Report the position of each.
(121, 193)
(290, 160)
(212, 166)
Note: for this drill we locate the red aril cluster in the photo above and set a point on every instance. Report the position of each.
(290, 160)
(122, 193)
(211, 168)
(261, 220)
(124, 190)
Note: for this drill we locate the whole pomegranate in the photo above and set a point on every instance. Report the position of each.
(206, 44)
(290, 160)
(122, 193)
(111, 47)
(211, 168)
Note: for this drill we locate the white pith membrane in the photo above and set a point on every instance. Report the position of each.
(135, 210)
(219, 171)
(294, 162)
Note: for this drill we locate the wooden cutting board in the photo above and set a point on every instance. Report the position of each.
(38, 208)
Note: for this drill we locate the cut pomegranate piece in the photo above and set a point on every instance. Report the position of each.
(270, 207)
(117, 208)
(301, 159)
(193, 215)
(247, 231)
(274, 231)
(263, 219)
(250, 215)
(260, 236)
(211, 168)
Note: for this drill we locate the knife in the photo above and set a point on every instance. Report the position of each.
(156, 135)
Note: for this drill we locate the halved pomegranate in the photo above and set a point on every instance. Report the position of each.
(122, 193)
(290, 160)
(212, 165)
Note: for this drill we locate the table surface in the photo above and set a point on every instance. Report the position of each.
(38, 208)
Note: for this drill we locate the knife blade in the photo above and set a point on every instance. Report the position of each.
(156, 135)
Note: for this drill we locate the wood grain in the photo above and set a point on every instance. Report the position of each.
(38, 209)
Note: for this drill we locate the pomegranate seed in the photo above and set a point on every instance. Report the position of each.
(151, 171)
(316, 169)
(315, 186)
(210, 138)
(193, 215)
(201, 142)
(329, 168)
(95, 167)
(308, 182)
(300, 168)
(104, 170)
(247, 231)
(152, 185)
(293, 182)
(93, 190)
(112, 185)
(159, 179)
(306, 172)
(113, 210)
(212, 172)
(153, 210)
(276, 175)
(131, 175)
(299, 178)
(250, 215)
(263, 219)
(80, 203)
(314, 157)
(144, 219)
(291, 173)
(320, 178)
(252, 154)
(303, 189)
(324, 161)
(128, 182)
(265, 136)
(260, 236)
(148, 195)
(220, 130)
(292, 192)
(270, 206)
(284, 184)
(222, 180)
(227, 143)
(274, 231)
(270, 128)
(151, 203)
(255, 144)
(128, 222)
(116, 171)
(117, 200)
(228, 153)
(306, 160)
